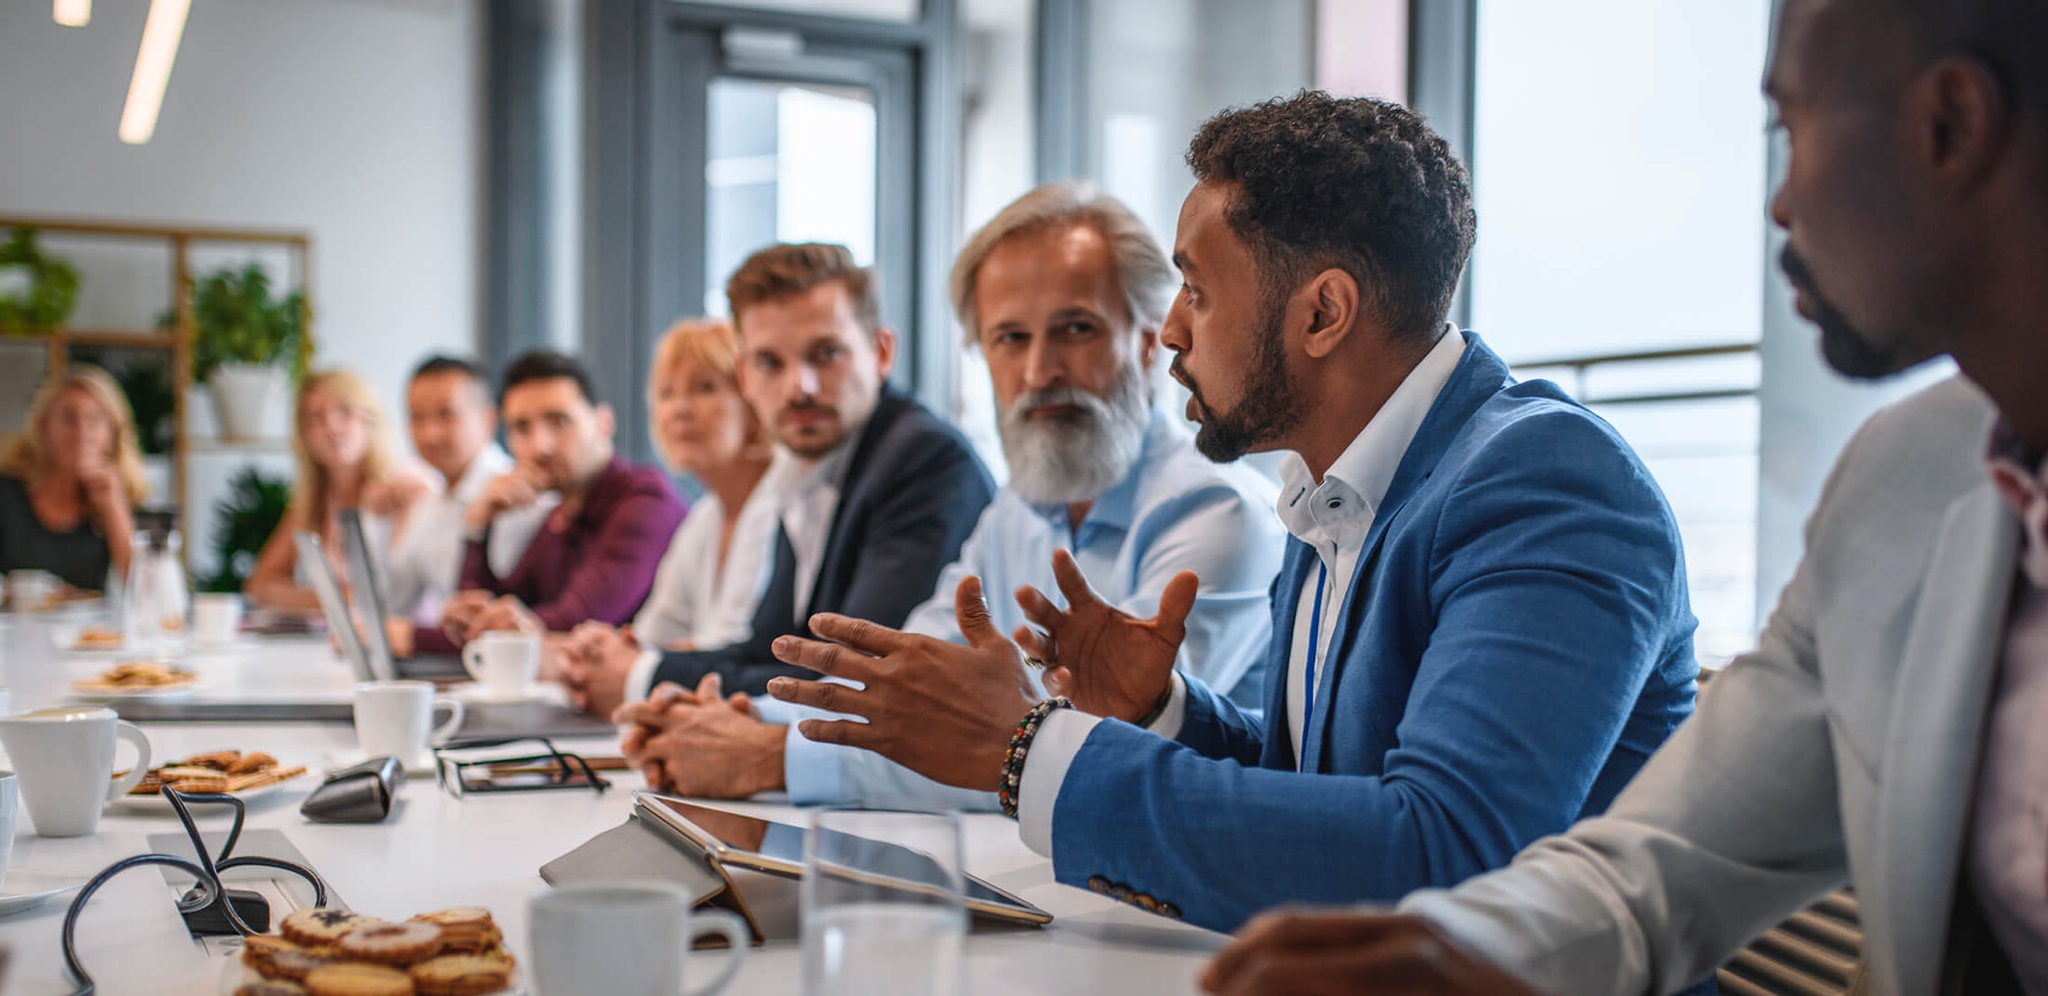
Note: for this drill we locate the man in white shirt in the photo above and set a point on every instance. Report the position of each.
(1062, 292)
(452, 421)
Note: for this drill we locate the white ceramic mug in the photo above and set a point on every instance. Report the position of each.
(10, 808)
(395, 718)
(504, 662)
(28, 590)
(628, 938)
(64, 758)
(216, 619)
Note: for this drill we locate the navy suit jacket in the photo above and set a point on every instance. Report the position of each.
(913, 491)
(1516, 642)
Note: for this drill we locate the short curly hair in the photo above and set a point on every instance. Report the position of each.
(1354, 183)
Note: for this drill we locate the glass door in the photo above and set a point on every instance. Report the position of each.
(798, 140)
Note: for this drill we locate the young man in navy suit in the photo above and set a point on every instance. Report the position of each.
(1480, 628)
(884, 493)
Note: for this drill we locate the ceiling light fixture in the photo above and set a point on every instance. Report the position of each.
(153, 60)
(73, 13)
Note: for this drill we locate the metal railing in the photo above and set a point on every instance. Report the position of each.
(1580, 365)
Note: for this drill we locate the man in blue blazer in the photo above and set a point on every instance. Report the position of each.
(1481, 627)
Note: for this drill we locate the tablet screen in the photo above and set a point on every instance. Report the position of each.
(783, 843)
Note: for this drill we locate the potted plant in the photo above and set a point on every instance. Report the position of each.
(245, 346)
(243, 521)
(37, 292)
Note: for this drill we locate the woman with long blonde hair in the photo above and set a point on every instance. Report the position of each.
(342, 442)
(70, 483)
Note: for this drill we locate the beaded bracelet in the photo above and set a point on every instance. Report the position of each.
(1020, 746)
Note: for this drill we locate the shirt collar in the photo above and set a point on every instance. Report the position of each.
(1365, 470)
(488, 463)
(2021, 477)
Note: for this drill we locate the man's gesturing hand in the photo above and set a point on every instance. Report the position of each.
(1108, 661)
(940, 709)
(1327, 953)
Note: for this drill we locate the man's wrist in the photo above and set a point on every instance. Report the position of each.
(770, 742)
(1158, 707)
(1011, 782)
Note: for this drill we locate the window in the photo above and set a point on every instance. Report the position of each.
(787, 162)
(1619, 171)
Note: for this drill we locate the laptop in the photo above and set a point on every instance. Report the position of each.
(367, 577)
(481, 719)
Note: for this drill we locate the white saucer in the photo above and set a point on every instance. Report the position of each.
(341, 759)
(486, 696)
(26, 890)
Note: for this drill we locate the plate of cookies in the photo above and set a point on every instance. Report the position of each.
(92, 639)
(137, 679)
(335, 952)
(249, 776)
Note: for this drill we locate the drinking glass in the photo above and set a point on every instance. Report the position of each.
(882, 903)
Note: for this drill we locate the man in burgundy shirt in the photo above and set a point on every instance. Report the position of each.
(595, 556)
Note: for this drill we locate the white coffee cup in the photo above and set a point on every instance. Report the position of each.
(504, 663)
(10, 808)
(216, 619)
(395, 719)
(29, 590)
(626, 938)
(64, 758)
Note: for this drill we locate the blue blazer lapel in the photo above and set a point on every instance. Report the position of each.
(1479, 376)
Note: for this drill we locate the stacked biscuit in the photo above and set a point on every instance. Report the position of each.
(331, 952)
(131, 675)
(218, 771)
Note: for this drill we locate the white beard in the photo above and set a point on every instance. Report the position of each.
(1075, 458)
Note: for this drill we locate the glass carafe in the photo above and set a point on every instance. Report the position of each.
(156, 597)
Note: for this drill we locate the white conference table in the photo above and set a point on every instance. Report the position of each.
(438, 851)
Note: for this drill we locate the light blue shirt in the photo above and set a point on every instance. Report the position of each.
(1175, 511)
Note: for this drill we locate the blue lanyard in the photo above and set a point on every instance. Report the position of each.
(1315, 632)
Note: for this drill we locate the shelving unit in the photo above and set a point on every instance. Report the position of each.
(176, 340)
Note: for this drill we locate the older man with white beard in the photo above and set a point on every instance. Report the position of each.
(1063, 292)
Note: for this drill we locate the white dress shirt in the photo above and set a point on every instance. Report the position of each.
(425, 563)
(2007, 856)
(1333, 517)
(808, 504)
(801, 496)
(698, 600)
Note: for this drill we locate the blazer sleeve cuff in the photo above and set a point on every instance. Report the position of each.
(1060, 737)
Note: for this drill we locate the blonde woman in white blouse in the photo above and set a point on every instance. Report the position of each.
(712, 575)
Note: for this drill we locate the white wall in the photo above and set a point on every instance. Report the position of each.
(356, 120)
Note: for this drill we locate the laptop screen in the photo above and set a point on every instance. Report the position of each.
(313, 561)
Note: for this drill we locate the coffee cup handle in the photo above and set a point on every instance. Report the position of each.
(133, 734)
(445, 730)
(737, 936)
(472, 660)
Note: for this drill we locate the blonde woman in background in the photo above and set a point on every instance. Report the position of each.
(70, 483)
(343, 445)
(712, 575)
